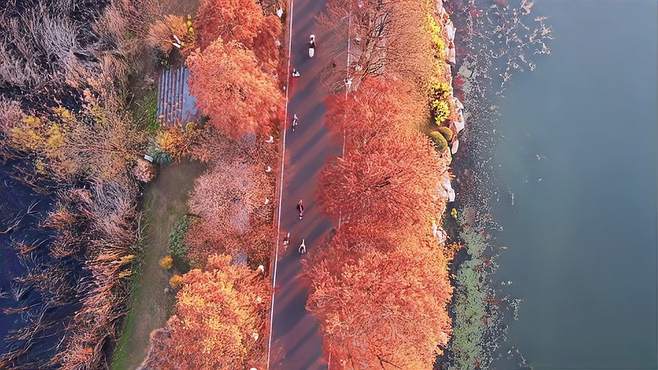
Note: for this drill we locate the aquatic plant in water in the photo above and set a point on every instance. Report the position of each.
(497, 40)
(470, 303)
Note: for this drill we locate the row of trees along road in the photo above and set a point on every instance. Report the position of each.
(221, 309)
(380, 287)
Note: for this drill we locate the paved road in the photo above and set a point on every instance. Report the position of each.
(296, 342)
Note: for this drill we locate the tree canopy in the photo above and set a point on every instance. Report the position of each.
(220, 313)
(232, 90)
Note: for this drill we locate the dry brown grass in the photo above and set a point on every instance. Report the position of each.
(108, 213)
(164, 33)
(38, 36)
(10, 113)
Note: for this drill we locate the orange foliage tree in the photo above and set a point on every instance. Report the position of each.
(242, 21)
(388, 184)
(380, 106)
(230, 20)
(265, 44)
(382, 309)
(380, 288)
(219, 320)
(232, 90)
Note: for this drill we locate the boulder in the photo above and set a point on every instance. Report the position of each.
(450, 192)
(455, 146)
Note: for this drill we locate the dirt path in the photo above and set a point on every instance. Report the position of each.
(164, 203)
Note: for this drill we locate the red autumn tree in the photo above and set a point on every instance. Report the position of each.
(219, 320)
(389, 184)
(241, 21)
(232, 89)
(380, 106)
(383, 310)
(230, 20)
(266, 43)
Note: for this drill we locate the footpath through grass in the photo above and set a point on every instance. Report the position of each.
(150, 307)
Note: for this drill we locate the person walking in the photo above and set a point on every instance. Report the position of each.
(286, 241)
(302, 247)
(295, 121)
(300, 209)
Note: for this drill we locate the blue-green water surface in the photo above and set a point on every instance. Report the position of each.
(576, 168)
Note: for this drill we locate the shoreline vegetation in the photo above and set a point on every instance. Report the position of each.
(64, 94)
(495, 42)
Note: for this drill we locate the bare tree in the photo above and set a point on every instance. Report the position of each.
(385, 37)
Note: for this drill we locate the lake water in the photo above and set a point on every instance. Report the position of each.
(577, 150)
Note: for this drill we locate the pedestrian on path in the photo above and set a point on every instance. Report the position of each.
(286, 241)
(300, 209)
(295, 73)
(302, 247)
(295, 121)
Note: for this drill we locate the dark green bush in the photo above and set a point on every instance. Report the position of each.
(439, 141)
(447, 133)
(146, 112)
(177, 246)
(161, 158)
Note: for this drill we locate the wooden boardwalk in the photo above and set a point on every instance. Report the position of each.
(175, 104)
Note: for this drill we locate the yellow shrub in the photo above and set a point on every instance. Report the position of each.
(25, 138)
(55, 137)
(161, 34)
(175, 281)
(166, 262)
(40, 167)
(127, 259)
(435, 32)
(441, 111)
(65, 115)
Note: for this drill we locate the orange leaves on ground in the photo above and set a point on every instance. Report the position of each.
(219, 320)
(383, 309)
(232, 90)
(387, 185)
